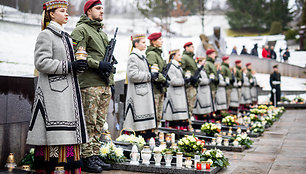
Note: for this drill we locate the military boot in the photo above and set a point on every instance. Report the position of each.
(101, 163)
(91, 166)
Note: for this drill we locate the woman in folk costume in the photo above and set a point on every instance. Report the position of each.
(253, 82)
(245, 99)
(57, 127)
(254, 89)
(220, 103)
(203, 103)
(139, 106)
(175, 105)
(234, 104)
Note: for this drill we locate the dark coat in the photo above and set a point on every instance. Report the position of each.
(254, 52)
(273, 54)
(244, 51)
(275, 81)
(286, 55)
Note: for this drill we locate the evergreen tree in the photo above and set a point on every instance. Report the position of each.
(279, 11)
(245, 14)
(155, 8)
(258, 15)
(194, 6)
(303, 22)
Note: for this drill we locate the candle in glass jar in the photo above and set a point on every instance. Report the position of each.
(199, 166)
(161, 137)
(188, 162)
(179, 159)
(196, 160)
(207, 165)
(203, 164)
(168, 138)
(172, 138)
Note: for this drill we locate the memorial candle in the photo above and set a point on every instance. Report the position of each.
(199, 166)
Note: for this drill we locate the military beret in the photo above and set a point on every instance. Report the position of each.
(187, 44)
(208, 52)
(155, 36)
(248, 64)
(90, 3)
(237, 61)
(225, 58)
(275, 66)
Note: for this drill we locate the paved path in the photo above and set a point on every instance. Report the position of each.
(280, 150)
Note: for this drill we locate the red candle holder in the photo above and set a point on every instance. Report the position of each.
(199, 166)
(208, 165)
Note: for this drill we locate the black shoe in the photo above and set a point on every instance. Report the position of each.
(101, 163)
(91, 166)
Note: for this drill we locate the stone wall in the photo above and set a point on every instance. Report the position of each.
(16, 97)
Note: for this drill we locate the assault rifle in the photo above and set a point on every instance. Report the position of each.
(197, 75)
(166, 70)
(109, 57)
(160, 85)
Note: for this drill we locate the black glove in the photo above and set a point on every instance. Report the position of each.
(193, 80)
(187, 80)
(233, 80)
(105, 67)
(154, 75)
(166, 84)
(112, 90)
(114, 70)
(79, 66)
(217, 81)
(252, 84)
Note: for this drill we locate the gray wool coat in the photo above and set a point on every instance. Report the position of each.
(246, 91)
(140, 108)
(175, 104)
(203, 103)
(57, 117)
(234, 96)
(221, 94)
(254, 92)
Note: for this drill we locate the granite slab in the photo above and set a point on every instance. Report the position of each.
(162, 169)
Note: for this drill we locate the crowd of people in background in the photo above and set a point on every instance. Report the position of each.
(268, 52)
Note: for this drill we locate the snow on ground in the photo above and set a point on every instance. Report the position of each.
(298, 58)
(18, 40)
(263, 99)
(287, 83)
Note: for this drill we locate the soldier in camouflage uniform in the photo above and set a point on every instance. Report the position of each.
(226, 72)
(239, 78)
(189, 67)
(211, 71)
(157, 64)
(96, 93)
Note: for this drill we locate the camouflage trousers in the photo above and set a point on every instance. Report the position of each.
(191, 98)
(95, 102)
(159, 101)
